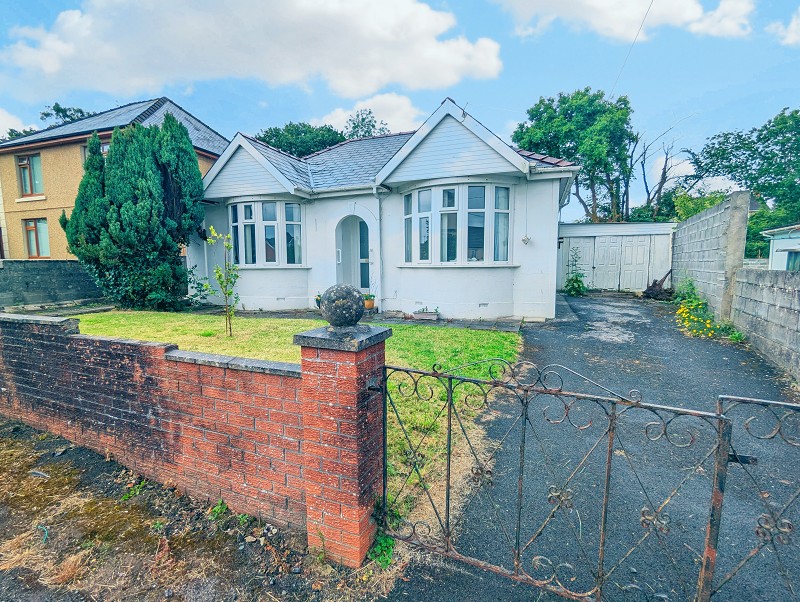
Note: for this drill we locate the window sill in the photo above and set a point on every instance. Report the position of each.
(33, 197)
(247, 268)
(471, 266)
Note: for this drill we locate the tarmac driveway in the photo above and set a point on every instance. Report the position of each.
(623, 344)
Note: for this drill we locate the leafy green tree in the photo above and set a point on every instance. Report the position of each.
(89, 216)
(60, 115)
(687, 205)
(301, 139)
(595, 132)
(362, 124)
(12, 133)
(151, 206)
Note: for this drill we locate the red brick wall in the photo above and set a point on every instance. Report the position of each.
(232, 431)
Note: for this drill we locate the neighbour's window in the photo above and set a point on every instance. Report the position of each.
(30, 174)
(793, 261)
(266, 233)
(104, 146)
(37, 238)
(458, 224)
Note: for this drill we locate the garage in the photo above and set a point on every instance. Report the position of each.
(617, 257)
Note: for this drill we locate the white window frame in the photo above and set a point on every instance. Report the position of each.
(258, 221)
(461, 210)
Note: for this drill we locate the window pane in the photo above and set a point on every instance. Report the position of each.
(424, 201)
(363, 240)
(408, 238)
(248, 212)
(793, 262)
(476, 197)
(449, 197)
(364, 275)
(501, 236)
(475, 236)
(36, 173)
(43, 238)
(30, 233)
(407, 205)
(24, 178)
(293, 254)
(234, 214)
(293, 213)
(269, 212)
(449, 236)
(249, 243)
(501, 198)
(269, 244)
(235, 241)
(424, 238)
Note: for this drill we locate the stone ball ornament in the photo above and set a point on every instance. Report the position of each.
(342, 305)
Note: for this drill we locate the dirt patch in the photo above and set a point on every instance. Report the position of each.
(77, 526)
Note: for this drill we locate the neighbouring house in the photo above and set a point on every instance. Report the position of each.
(449, 217)
(40, 173)
(784, 248)
(617, 256)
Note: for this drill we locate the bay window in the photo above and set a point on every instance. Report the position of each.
(457, 224)
(266, 233)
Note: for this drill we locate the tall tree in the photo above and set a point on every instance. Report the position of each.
(764, 160)
(60, 115)
(301, 139)
(150, 200)
(362, 124)
(12, 133)
(596, 132)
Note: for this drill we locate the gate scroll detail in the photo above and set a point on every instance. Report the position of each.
(564, 484)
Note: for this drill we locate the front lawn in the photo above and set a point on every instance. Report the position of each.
(411, 345)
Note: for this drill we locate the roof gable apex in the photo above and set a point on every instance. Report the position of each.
(241, 141)
(451, 109)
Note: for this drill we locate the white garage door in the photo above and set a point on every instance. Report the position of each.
(585, 247)
(635, 263)
(607, 251)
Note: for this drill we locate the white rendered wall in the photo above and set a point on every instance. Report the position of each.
(779, 250)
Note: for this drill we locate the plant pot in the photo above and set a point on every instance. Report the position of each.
(426, 315)
(318, 302)
(369, 303)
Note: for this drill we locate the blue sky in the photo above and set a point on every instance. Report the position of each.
(698, 66)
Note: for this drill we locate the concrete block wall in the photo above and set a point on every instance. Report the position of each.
(37, 282)
(709, 247)
(299, 447)
(766, 306)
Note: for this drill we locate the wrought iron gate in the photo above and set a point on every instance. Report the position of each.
(548, 478)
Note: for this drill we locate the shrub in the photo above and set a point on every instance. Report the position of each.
(574, 286)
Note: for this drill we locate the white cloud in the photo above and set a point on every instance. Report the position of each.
(396, 110)
(8, 121)
(788, 35)
(620, 20)
(357, 47)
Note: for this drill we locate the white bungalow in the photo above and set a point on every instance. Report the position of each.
(784, 248)
(448, 217)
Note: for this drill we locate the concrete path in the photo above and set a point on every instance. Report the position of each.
(626, 343)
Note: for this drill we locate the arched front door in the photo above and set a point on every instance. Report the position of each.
(352, 253)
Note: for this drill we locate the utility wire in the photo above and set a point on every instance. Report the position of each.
(627, 56)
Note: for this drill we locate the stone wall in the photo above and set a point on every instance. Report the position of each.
(39, 282)
(766, 306)
(709, 247)
(299, 446)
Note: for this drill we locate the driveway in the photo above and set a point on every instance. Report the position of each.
(623, 344)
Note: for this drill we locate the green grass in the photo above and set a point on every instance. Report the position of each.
(412, 345)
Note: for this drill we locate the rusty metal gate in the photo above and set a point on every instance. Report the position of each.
(550, 479)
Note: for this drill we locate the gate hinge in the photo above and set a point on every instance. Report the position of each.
(740, 459)
(374, 384)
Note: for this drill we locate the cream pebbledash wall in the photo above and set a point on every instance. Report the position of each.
(62, 170)
(522, 288)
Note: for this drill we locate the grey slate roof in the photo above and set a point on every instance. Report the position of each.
(349, 163)
(147, 112)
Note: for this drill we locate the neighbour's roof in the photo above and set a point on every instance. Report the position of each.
(356, 162)
(778, 231)
(147, 112)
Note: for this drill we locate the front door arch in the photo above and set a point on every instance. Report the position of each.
(352, 253)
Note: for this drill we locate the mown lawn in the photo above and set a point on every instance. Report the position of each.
(412, 345)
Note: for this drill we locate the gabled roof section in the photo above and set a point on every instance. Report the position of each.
(294, 169)
(147, 112)
(262, 153)
(450, 108)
